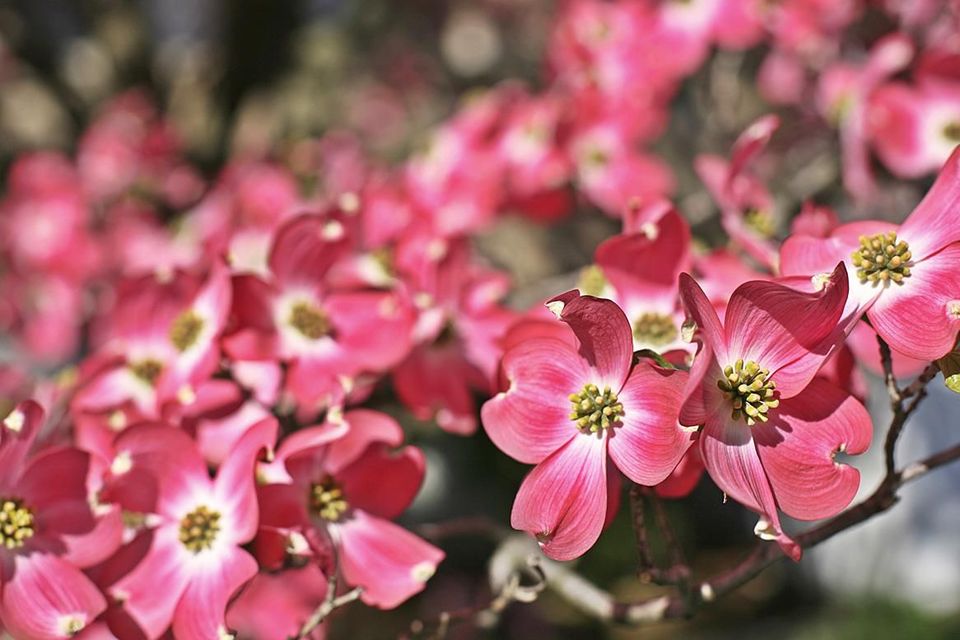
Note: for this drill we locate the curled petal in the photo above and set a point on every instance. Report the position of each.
(564, 499)
(606, 340)
(363, 480)
(234, 486)
(798, 448)
(788, 332)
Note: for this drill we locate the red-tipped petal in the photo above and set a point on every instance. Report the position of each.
(17, 433)
(650, 443)
(531, 419)
(606, 340)
(305, 247)
(921, 317)
(48, 598)
(703, 314)
(389, 562)
(798, 447)
(563, 500)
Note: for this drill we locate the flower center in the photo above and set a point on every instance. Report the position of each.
(199, 529)
(750, 391)
(327, 501)
(592, 281)
(309, 320)
(594, 411)
(655, 329)
(185, 330)
(147, 370)
(952, 131)
(881, 258)
(16, 523)
(759, 221)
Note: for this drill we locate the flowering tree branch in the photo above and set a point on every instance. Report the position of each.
(689, 597)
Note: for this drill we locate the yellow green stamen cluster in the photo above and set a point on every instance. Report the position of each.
(309, 320)
(882, 258)
(655, 329)
(185, 330)
(750, 391)
(16, 523)
(952, 132)
(199, 529)
(327, 500)
(760, 222)
(594, 411)
(147, 370)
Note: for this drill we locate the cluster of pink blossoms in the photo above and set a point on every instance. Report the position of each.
(207, 468)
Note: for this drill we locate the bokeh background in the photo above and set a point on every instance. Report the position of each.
(268, 78)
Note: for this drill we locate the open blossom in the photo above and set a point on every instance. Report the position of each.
(195, 562)
(771, 429)
(567, 409)
(905, 277)
(47, 532)
(332, 500)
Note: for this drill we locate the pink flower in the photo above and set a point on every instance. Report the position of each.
(567, 409)
(770, 428)
(905, 277)
(337, 502)
(274, 606)
(746, 205)
(47, 533)
(195, 563)
(326, 336)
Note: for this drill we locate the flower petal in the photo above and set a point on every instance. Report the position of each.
(201, 612)
(46, 597)
(730, 456)
(382, 482)
(650, 442)
(933, 224)
(798, 448)
(389, 562)
(17, 433)
(151, 591)
(606, 339)
(703, 314)
(563, 500)
(531, 419)
(234, 486)
(789, 332)
(921, 317)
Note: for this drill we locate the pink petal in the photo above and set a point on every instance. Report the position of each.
(650, 443)
(789, 332)
(798, 447)
(275, 606)
(606, 339)
(703, 314)
(863, 343)
(434, 383)
(651, 258)
(201, 612)
(389, 562)
(234, 486)
(730, 456)
(17, 434)
(562, 502)
(304, 248)
(933, 224)
(531, 419)
(151, 591)
(44, 594)
(684, 478)
(381, 482)
(751, 142)
(921, 317)
(365, 427)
